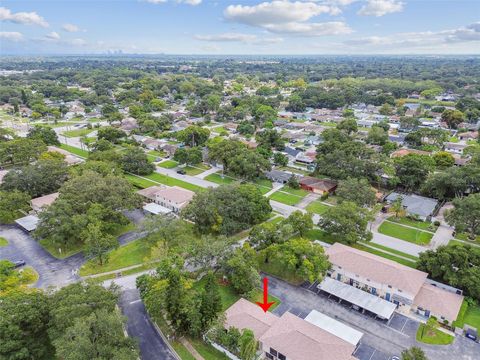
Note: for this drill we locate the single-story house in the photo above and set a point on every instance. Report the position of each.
(278, 176)
(70, 159)
(469, 135)
(290, 337)
(416, 205)
(404, 152)
(455, 148)
(40, 203)
(318, 186)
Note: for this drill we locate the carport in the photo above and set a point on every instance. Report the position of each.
(359, 298)
(28, 223)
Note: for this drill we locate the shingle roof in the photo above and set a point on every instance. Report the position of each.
(176, 194)
(439, 301)
(415, 204)
(43, 201)
(376, 268)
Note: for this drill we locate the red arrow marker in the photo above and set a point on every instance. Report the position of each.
(265, 305)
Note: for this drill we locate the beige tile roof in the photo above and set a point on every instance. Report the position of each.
(439, 301)
(246, 315)
(176, 194)
(2, 175)
(298, 339)
(376, 268)
(290, 335)
(150, 192)
(44, 201)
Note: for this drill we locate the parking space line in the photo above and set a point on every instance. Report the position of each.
(404, 325)
(374, 351)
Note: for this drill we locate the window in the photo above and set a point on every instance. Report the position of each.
(281, 356)
(273, 352)
(390, 286)
(269, 356)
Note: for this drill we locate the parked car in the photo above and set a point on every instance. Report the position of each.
(181, 172)
(19, 263)
(395, 357)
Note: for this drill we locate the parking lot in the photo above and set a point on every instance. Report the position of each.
(403, 324)
(366, 352)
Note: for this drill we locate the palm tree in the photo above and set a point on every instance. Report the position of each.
(248, 345)
(397, 206)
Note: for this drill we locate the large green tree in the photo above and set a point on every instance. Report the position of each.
(346, 223)
(45, 134)
(358, 191)
(413, 170)
(227, 209)
(13, 204)
(465, 215)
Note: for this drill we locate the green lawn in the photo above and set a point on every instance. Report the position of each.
(264, 185)
(318, 234)
(289, 196)
(403, 233)
(74, 150)
(464, 237)
(139, 182)
(77, 132)
(182, 351)
(62, 252)
(218, 179)
(208, 352)
(469, 315)
(317, 207)
(421, 225)
(3, 241)
(170, 181)
(168, 164)
(436, 337)
(156, 153)
(131, 254)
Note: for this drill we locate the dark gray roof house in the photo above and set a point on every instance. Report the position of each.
(418, 205)
(278, 176)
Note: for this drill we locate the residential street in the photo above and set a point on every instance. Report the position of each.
(152, 346)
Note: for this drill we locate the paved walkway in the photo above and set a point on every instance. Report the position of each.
(210, 171)
(442, 236)
(191, 349)
(276, 187)
(311, 197)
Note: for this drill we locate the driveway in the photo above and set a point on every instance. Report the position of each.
(52, 271)
(139, 327)
(380, 340)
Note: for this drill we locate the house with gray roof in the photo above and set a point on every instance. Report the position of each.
(416, 205)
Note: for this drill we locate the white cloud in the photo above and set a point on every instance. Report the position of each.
(380, 7)
(311, 29)
(25, 18)
(70, 28)
(418, 40)
(53, 36)
(277, 12)
(288, 17)
(238, 37)
(227, 37)
(11, 36)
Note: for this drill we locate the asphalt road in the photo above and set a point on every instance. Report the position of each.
(139, 327)
(52, 271)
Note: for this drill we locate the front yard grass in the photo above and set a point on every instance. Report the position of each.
(317, 207)
(207, 351)
(77, 132)
(469, 315)
(181, 350)
(287, 195)
(139, 182)
(264, 185)
(168, 164)
(421, 225)
(435, 337)
(218, 179)
(3, 242)
(74, 150)
(464, 237)
(170, 181)
(131, 254)
(196, 169)
(404, 233)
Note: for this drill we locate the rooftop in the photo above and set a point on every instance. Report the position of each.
(439, 301)
(376, 268)
(44, 201)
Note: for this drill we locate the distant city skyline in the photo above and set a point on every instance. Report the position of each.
(240, 27)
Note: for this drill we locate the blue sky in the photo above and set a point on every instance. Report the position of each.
(240, 26)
